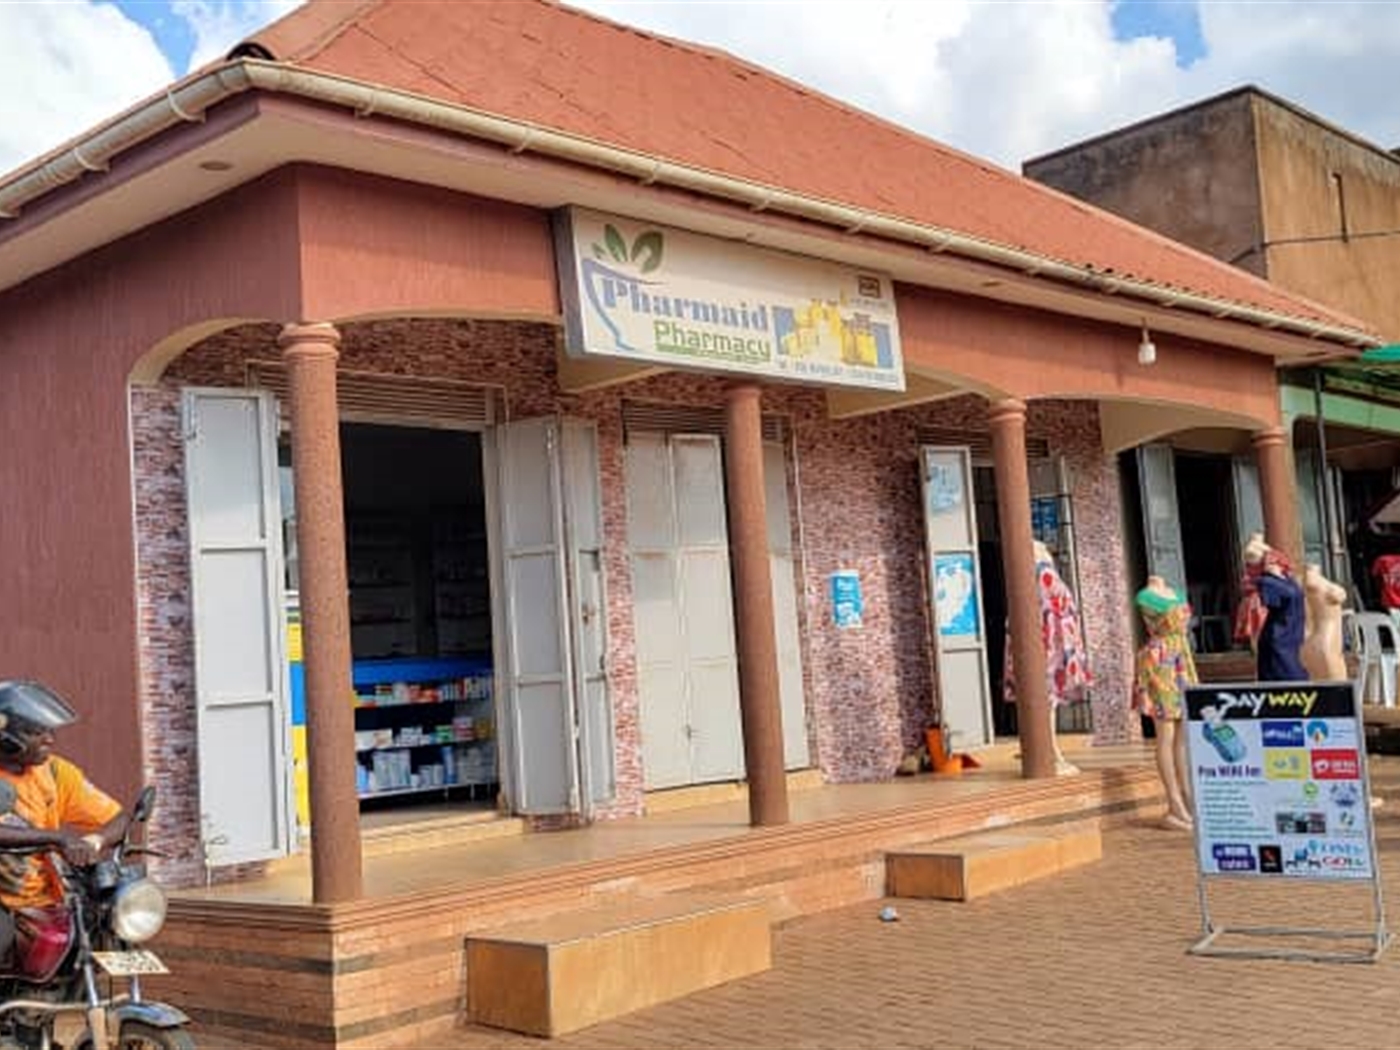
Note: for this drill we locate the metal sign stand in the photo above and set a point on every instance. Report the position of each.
(1377, 937)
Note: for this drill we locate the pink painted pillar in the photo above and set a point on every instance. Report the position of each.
(756, 634)
(311, 351)
(1008, 425)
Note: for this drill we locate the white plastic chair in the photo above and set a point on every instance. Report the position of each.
(1376, 642)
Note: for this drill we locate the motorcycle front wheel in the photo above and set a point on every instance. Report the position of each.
(138, 1036)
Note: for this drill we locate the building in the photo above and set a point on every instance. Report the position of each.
(613, 402)
(1261, 183)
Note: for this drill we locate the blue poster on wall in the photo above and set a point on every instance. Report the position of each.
(955, 595)
(847, 605)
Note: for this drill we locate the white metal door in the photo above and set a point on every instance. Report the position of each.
(789, 637)
(1161, 519)
(236, 582)
(583, 526)
(707, 608)
(538, 673)
(687, 668)
(950, 530)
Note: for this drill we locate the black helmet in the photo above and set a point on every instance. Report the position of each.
(28, 708)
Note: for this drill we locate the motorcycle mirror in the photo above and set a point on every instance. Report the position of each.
(145, 803)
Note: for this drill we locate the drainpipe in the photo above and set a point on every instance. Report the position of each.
(188, 100)
(1323, 481)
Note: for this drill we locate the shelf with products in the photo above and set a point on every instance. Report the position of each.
(423, 725)
(447, 766)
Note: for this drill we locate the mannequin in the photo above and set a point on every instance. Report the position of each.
(1067, 675)
(1322, 644)
(1271, 614)
(1164, 668)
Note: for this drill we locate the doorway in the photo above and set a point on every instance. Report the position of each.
(419, 572)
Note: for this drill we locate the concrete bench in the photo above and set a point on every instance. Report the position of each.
(567, 972)
(963, 868)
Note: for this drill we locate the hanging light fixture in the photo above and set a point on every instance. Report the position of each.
(1147, 350)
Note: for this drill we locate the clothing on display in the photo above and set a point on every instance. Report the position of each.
(1386, 570)
(1067, 674)
(1271, 615)
(1165, 666)
(1282, 636)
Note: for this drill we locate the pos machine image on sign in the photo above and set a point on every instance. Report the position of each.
(955, 589)
(1278, 777)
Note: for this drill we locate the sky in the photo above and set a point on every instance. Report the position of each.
(1005, 80)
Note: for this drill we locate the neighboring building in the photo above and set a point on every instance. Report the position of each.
(1264, 185)
(545, 338)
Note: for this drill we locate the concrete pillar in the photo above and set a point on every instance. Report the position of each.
(310, 351)
(1008, 425)
(1277, 493)
(755, 626)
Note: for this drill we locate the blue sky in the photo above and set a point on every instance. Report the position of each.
(1001, 79)
(173, 34)
(1178, 20)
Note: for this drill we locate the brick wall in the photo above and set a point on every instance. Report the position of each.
(854, 490)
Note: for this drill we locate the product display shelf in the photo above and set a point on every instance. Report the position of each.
(459, 769)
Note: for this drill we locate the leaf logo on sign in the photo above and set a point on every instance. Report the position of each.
(646, 250)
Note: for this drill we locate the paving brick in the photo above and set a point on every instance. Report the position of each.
(1095, 957)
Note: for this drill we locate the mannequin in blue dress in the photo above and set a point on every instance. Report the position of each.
(1275, 611)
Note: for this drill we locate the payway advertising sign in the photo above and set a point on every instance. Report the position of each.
(664, 296)
(1278, 774)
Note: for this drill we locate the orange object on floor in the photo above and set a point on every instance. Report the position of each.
(952, 766)
(943, 762)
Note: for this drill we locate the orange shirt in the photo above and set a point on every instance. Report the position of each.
(50, 796)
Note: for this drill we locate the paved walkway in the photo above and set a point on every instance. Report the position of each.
(1093, 958)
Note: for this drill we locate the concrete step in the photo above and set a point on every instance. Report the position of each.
(438, 832)
(577, 969)
(964, 868)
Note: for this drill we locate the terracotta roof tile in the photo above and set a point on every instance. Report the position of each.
(542, 62)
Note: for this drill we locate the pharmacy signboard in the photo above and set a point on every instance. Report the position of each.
(658, 295)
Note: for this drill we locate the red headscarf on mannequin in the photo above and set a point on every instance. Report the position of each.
(1250, 617)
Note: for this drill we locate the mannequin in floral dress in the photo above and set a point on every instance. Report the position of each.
(1164, 668)
(1067, 674)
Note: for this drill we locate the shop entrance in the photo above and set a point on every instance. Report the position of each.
(1196, 510)
(451, 631)
(418, 564)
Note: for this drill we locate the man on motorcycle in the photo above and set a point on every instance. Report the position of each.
(51, 805)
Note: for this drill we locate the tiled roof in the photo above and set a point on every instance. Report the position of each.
(542, 62)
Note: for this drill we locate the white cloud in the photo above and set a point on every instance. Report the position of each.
(65, 67)
(1003, 79)
(1008, 79)
(219, 24)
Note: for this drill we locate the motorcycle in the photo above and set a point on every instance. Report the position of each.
(69, 960)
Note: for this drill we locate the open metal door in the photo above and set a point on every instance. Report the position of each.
(538, 657)
(782, 564)
(1161, 520)
(950, 533)
(1249, 503)
(243, 720)
(583, 529)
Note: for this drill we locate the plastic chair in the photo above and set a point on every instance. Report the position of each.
(1376, 641)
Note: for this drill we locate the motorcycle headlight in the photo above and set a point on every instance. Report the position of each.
(138, 912)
